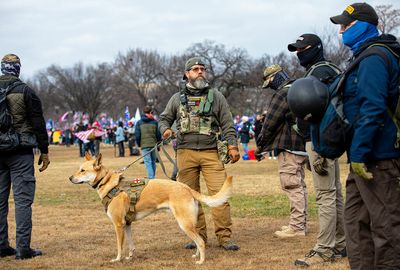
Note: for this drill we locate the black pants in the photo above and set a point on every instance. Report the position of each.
(121, 149)
(372, 217)
(17, 170)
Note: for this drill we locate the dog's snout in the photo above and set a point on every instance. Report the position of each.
(71, 178)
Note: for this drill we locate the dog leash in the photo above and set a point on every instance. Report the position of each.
(155, 148)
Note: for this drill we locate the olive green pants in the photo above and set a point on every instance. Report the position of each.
(190, 164)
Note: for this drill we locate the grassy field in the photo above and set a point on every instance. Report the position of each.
(70, 226)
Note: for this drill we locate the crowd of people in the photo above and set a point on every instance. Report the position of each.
(365, 228)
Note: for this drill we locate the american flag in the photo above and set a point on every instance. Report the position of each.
(84, 135)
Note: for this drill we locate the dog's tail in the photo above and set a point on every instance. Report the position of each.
(218, 199)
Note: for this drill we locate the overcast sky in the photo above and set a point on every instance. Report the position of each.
(45, 32)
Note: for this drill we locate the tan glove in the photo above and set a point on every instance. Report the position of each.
(233, 153)
(167, 133)
(46, 161)
(360, 169)
(320, 166)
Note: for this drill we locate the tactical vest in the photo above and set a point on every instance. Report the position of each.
(195, 113)
(133, 188)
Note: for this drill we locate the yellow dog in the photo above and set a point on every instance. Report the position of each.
(157, 194)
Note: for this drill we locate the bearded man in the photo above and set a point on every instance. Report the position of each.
(200, 114)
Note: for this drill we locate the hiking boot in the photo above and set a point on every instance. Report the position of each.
(230, 245)
(285, 227)
(192, 244)
(8, 251)
(27, 253)
(340, 253)
(289, 233)
(314, 257)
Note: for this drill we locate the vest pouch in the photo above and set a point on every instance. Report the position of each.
(222, 147)
(194, 123)
(205, 125)
(27, 140)
(9, 140)
(184, 121)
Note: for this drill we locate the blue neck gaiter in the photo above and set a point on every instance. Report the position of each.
(358, 34)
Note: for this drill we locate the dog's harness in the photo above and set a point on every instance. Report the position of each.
(133, 188)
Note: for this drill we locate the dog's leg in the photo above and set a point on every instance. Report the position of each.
(129, 239)
(186, 215)
(119, 230)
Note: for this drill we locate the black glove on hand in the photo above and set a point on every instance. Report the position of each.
(258, 154)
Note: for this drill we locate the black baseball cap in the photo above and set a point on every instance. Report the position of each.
(303, 41)
(356, 11)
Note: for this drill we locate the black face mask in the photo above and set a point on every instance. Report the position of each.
(279, 79)
(310, 56)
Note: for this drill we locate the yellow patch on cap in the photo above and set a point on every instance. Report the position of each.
(349, 9)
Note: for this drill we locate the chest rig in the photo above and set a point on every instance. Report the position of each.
(133, 188)
(196, 113)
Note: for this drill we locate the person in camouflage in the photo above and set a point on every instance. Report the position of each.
(200, 114)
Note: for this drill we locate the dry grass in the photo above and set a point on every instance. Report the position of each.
(70, 225)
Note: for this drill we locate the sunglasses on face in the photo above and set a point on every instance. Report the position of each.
(198, 69)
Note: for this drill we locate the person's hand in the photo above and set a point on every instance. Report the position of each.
(44, 158)
(233, 153)
(360, 169)
(319, 166)
(167, 133)
(258, 154)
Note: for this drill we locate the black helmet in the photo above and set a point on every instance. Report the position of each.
(308, 98)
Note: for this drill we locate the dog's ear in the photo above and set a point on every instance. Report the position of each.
(88, 156)
(97, 162)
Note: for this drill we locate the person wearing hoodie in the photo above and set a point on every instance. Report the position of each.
(22, 128)
(147, 136)
(331, 243)
(370, 92)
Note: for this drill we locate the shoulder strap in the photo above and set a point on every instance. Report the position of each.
(320, 64)
(372, 50)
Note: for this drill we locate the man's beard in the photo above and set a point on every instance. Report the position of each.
(200, 83)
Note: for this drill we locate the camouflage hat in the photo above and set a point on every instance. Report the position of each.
(270, 71)
(11, 58)
(193, 61)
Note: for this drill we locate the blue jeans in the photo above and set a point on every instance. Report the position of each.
(149, 161)
(245, 147)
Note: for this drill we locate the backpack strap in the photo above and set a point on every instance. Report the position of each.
(321, 64)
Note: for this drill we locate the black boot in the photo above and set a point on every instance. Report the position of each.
(8, 251)
(27, 253)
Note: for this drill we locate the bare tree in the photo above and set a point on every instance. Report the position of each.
(226, 68)
(87, 89)
(389, 18)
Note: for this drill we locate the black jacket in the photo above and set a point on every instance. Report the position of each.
(26, 110)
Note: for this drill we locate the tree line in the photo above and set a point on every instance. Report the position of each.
(142, 77)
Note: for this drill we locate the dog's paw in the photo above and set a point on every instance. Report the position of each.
(128, 257)
(115, 260)
(199, 262)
